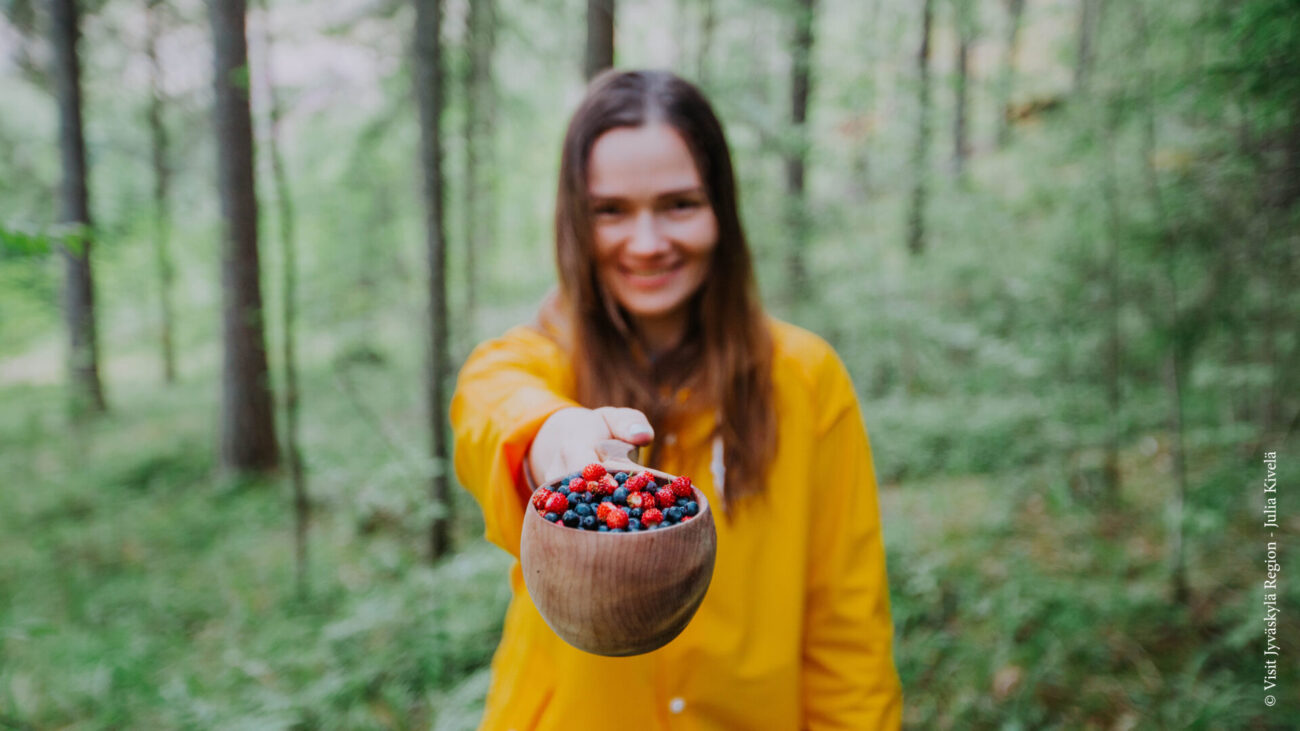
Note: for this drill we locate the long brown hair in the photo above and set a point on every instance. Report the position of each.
(725, 358)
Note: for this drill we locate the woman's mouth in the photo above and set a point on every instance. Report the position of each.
(650, 277)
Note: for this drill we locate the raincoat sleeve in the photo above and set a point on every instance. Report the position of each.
(849, 679)
(507, 388)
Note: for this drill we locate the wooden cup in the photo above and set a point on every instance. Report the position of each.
(618, 594)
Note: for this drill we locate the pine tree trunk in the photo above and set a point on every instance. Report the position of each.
(478, 137)
(1006, 82)
(86, 390)
(248, 442)
(796, 159)
(158, 148)
(1084, 45)
(288, 315)
(920, 153)
(600, 37)
(428, 94)
(960, 142)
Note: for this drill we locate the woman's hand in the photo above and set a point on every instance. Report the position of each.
(567, 441)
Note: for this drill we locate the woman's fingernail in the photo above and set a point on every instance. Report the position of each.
(637, 430)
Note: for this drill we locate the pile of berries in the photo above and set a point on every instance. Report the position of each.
(621, 502)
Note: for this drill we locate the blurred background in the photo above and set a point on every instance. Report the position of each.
(1055, 241)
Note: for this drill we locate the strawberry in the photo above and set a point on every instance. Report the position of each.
(593, 471)
(652, 516)
(556, 503)
(609, 481)
(603, 510)
(617, 518)
(598, 487)
(640, 500)
(540, 497)
(665, 497)
(638, 482)
(577, 484)
(681, 487)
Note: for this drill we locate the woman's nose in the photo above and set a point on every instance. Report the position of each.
(646, 237)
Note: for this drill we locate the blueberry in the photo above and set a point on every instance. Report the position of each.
(607, 499)
(620, 477)
(692, 507)
(602, 528)
(588, 522)
(574, 500)
(681, 502)
(620, 496)
(617, 530)
(582, 509)
(570, 518)
(634, 525)
(673, 514)
(634, 513)
(552, 517)
(562, 490)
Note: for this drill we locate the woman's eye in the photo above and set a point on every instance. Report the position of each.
(605, 210)
(684, 204)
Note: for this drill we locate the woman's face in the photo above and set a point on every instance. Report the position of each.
(655, 230)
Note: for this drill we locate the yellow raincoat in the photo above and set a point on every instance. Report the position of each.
(795, 630)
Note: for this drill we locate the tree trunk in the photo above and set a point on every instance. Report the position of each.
(920, 153)
(1084, 47)
(797, 156)
(87, 393)
(479, 210)
(960, 141)
(428, 94)
(1006, 82)
(600, 37)
(248, 440)
(288, 314)
(158, 144)
(1175, 363)
(1114, 345)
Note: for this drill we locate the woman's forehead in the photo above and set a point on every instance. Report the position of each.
(649, 160)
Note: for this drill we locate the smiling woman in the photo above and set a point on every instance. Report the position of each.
(657, 337)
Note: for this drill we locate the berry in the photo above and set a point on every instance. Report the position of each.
(620, 496)
(540, 497)
(617, 530)
(673, 514)
(641, 500)
(638, 482)
(570, 519)
(556, 503)
(562, 489)
(609, 481)
(551, 517)
(583, 510)
(588, 522)
(602, 528)
(680, 502)
(603, 510)
(577, 485)
(617, 519)
(652, 516)
(574, 500)
(691, 507)
(634, 513)
(620, 478)
(665, 497)
(593, 471)
(598, 487)
(681, 486)
(633, 524)
(606, 499)
(687, 517)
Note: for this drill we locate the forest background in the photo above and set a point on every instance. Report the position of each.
(1055, 241)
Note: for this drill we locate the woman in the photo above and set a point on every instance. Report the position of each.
(657, 337)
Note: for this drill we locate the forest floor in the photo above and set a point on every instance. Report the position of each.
(138, 591)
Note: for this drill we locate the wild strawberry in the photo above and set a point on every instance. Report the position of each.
(598, 488)
(609, 481)
(638, 481)
(603, 510)
(540, 497)
(557, 503)
(593, 471)
(681, 487)
(640, 500)
(577, 484)
(665, 497)
(617, 518)
(652, 516)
